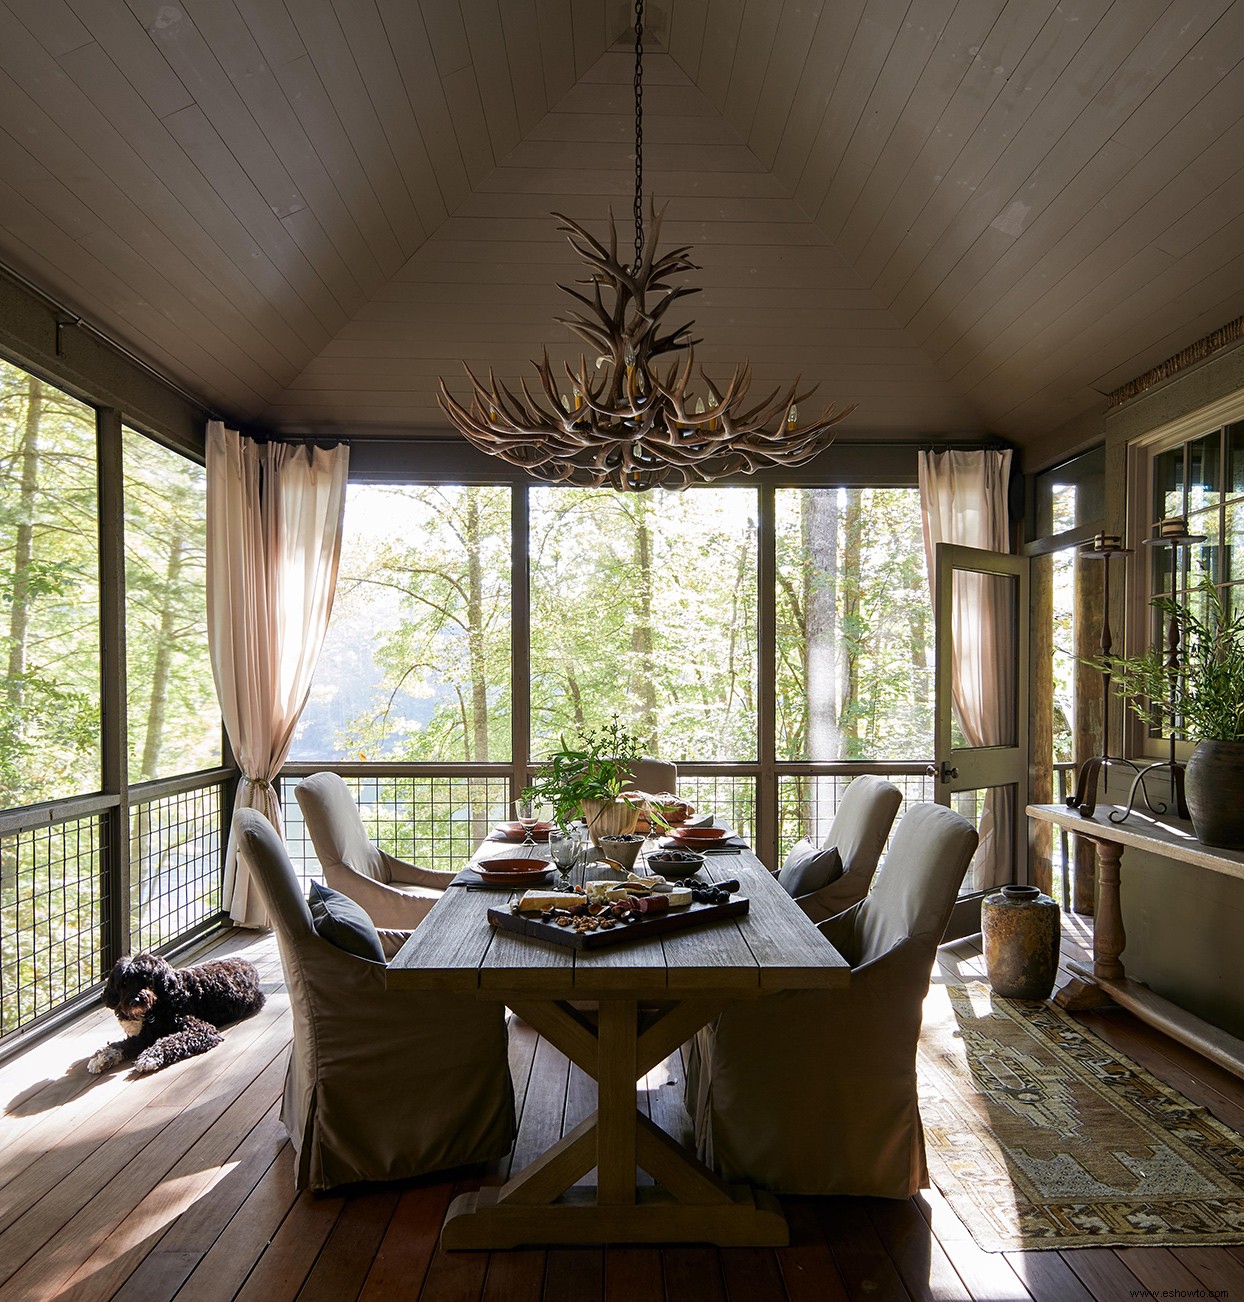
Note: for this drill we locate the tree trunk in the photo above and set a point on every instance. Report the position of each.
(820, 604)
(739, 695)
(13, 727)
(162, 667)
(23, 549)
(575, 693)
(478, 740)
(852, 629)
(643, 686)
(820, 519)
(919, 628)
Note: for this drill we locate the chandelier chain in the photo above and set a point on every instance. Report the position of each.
(639, 133)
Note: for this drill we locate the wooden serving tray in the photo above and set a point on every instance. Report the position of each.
(693, 915)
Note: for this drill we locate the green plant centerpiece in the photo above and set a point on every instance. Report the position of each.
(586, 778)
(1203, 700)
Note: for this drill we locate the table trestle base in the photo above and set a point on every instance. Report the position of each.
(616, 1045)
(751, 1218)
(617, 1013)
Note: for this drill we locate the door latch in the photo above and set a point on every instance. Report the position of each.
(946, 772)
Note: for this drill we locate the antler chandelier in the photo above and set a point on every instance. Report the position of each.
(626, 422)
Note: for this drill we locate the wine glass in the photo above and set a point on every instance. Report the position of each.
(527, 809)
(564, 851)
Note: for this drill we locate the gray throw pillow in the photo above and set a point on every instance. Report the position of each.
(808, 868)
(340, 921)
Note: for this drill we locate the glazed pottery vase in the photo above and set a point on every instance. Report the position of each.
(1214, 786)
(1021, 930)
(609, 818)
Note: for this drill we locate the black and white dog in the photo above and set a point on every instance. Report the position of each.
(172, 1013)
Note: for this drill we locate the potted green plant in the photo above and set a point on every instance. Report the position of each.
(1205, 701)
(587, 778)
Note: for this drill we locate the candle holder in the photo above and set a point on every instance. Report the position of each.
(1104, 547)
(1172, 533)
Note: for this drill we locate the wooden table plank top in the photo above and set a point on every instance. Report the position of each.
(784, 941)
(449, 954)
(775, 946)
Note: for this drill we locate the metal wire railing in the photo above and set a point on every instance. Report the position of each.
(66, 913)
(54, 916)
(174, 855)
(807, 802)
(58, 876)
(434, 820)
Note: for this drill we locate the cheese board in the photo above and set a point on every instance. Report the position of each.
(537, 926)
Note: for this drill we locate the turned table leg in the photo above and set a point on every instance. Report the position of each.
(1109, 938)
(1108, 935)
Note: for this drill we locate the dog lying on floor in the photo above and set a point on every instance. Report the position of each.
(172, 1013)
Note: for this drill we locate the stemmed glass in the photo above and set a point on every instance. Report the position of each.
(564, 851)
(526, 807)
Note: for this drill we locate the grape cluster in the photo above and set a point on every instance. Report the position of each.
(710, 895)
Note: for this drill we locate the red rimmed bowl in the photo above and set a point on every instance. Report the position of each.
(515, 831)
(499, 866)
(700, 838)
(514, 872)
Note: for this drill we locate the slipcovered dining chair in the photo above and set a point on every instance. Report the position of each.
(381, 1084)
(858, 833)
(653, 776)
(395, 895)
(814, 1091)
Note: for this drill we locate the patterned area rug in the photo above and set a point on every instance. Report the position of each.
(1040, 1135)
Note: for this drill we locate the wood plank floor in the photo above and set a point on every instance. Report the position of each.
(180, 1185)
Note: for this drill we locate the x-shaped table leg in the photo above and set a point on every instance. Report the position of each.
(541, 1204)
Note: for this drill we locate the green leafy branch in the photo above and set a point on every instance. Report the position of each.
(1205, 696)
(596, 768)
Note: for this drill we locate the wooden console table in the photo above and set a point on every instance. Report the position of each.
(1106, 983)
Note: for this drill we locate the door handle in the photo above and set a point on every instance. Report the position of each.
(945, 773)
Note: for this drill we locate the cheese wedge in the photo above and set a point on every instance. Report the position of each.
(609, 891)
(538, 901)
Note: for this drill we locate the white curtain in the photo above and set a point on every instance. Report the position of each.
(274, 514)
(963, 500)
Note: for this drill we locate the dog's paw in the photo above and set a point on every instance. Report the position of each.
(100, 1062)
(148, 1062)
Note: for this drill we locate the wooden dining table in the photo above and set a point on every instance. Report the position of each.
(616, 1013)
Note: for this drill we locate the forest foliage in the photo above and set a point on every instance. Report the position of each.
(641, 604)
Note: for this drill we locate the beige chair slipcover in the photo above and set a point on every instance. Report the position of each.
(814, 1091)
(653, 776)
(863, 820)
(382, 1084)
(395, 895)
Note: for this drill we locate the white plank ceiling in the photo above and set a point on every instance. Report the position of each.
(966, 216)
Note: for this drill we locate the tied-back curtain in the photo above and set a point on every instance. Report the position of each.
(963, 500)
(274, 516)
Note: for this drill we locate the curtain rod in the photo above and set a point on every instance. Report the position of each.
(965, 445)
(72, 317)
